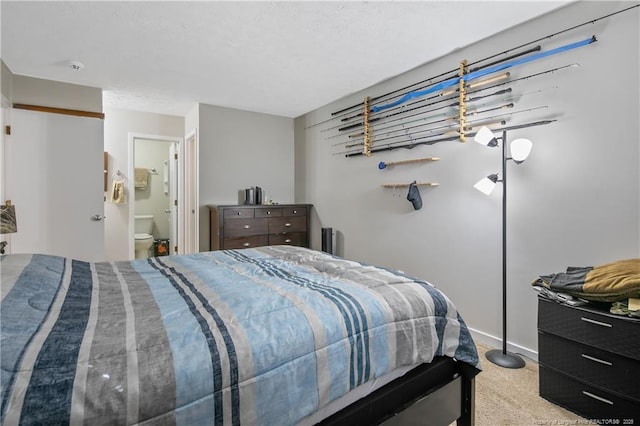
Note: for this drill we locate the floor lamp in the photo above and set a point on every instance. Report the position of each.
(520, 149)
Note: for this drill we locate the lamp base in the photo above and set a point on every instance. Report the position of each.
(506, 360)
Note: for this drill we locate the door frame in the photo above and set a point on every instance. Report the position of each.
(189, 220)
(132, 136)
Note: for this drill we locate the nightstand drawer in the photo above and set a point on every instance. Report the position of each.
(244, 242)
(598, 367)
(588, 401)
(590, 327)
(244, 227)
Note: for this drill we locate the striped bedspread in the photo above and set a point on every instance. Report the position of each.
(261, 336)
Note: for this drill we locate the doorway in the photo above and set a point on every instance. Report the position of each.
(156, 199)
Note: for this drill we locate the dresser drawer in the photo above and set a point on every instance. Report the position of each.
(268, 212)
(244, 227)
(294, 211)
(292, 238)
(600, 368)
(244, 242)
(279, 225)
(588, 401)
(590, 327)
(238, 213)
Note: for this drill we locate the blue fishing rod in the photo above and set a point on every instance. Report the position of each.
(481, 73)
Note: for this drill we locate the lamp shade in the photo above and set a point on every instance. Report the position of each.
(486, 185)
(485, 137)
(8, 224)
(520, 149)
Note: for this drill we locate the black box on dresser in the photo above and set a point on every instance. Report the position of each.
(245, 226)
(589, 361)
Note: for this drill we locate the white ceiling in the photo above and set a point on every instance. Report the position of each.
(284, 58)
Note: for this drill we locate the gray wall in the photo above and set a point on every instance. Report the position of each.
(118, 124)
(575, 201)
(55, 94)
(240, 149)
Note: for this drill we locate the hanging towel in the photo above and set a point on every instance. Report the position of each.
(117, 192)
(141, 176)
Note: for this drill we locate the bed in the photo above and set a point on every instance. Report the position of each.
(274, 335)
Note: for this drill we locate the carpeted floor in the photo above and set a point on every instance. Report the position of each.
(510, 397)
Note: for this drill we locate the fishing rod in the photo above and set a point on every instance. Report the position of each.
(493, 117)
(507, 99)
(446, 93)
(448, 118)
(592, 21)
(355, 125)
(337, 115)
(452, 138)
(483, 72)
(404, 111)
(379, 129)
(451, 105)
(456, 70)
(449, 130)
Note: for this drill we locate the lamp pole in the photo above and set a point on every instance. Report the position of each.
(504, 358)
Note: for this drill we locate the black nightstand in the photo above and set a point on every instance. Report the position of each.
(590, 361)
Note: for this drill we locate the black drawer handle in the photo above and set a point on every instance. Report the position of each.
(596, 397)
(601, 361)
(602, 324)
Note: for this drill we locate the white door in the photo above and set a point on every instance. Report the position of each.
(173, 197)
(54, 177)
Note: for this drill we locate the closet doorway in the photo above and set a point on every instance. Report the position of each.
(156, 172)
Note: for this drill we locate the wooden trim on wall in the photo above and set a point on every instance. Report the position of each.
(64, 111)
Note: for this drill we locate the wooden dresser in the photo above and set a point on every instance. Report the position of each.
(590, 361)
(244, 226)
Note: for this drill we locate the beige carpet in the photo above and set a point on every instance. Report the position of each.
(510, 397)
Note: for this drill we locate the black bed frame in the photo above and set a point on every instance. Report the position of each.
(437, 394)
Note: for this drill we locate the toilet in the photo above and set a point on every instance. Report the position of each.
(143, 235)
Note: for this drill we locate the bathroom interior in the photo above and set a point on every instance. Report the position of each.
(155, 213)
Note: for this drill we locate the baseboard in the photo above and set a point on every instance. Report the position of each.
(495, 342)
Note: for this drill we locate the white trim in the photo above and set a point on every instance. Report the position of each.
(496, 342)
(191, 234)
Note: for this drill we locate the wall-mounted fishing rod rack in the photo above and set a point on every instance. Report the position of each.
(410, 116)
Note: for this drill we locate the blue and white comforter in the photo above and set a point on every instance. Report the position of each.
(261, 336)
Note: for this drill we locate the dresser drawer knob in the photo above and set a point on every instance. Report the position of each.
(295, 212)
(269, 212)
(287, 225)
(602, 324)
(601, 361)
(596, 397)
(246, 244)
(247, 226)
(239, 213)
(287, 241)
